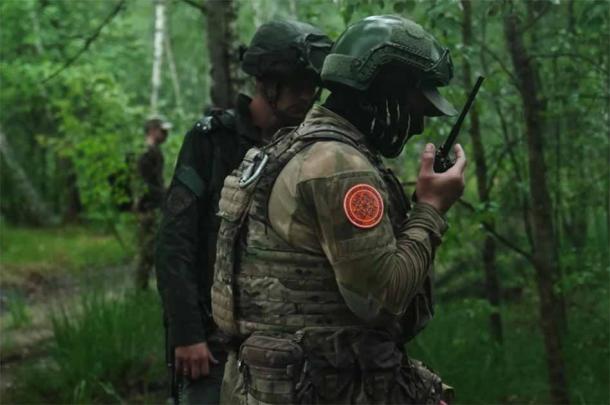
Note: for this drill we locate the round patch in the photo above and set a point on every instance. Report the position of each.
(178, 200)
(363, 206)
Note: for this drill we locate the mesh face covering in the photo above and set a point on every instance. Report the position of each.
(390, 126)
(393, 118)
(387, 121)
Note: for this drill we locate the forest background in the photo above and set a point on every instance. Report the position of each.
(523, 273)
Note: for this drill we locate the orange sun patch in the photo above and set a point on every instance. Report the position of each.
(363, 206)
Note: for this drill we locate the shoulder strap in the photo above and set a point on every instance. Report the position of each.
(216, 119)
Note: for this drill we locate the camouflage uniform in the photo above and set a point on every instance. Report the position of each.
(150, 170)
(323, 289)
(188, 232)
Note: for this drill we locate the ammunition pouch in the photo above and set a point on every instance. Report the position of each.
(335, 366)
(270, 365)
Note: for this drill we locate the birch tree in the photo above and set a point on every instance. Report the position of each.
(36, 207)
(157, 55)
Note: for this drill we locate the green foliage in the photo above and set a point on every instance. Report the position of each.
(112, 347)
(74, 131)
(18, 312)
(54, 251)
(458, 345)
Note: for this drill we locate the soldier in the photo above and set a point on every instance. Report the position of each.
(284, 58)
(150, 171)
(323, 268)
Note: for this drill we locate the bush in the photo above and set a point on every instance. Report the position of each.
(110, 349)
(458, 345)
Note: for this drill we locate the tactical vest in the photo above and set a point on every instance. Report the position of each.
(261, 282)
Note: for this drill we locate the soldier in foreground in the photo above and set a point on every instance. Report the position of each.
(285, 58)
(323, 267)
(150, 171)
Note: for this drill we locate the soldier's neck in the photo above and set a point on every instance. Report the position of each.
(348, 106)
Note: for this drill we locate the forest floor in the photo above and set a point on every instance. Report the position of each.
(44, 274)
(73, 331)
(27, 307)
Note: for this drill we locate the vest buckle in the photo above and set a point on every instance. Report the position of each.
(254, 169)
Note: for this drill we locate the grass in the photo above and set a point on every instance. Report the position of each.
(457, 344)
(110, 349)
(18, 312)
(52, 251)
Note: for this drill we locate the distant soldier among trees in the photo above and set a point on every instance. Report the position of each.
(150, 171)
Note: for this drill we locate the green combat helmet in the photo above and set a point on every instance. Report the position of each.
(285, 46)
(374, 42)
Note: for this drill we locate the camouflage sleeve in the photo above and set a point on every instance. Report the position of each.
(178, 244)
(378, 272)
(150, 168)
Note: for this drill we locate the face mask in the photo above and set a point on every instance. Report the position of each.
(390, 127)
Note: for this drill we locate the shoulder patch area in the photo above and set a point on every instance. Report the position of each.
(363, 206)
(329, 158)
(217, 119)
(189, 177)
(178, 200)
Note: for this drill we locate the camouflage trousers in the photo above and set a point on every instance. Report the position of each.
(342, 367)
(147, 232)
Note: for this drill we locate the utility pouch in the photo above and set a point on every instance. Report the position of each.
(270, 365)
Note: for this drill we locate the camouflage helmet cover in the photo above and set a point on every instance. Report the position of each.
(374, 42)
(157, 121)
(293, 43)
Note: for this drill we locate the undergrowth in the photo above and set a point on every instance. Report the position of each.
(111, 348)
(58, 250)
(458, 345)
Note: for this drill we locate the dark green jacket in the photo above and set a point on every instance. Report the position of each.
(186, 243)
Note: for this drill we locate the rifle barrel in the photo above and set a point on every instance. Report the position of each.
(458, 124)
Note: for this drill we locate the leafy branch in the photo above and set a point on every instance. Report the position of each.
(193, 3)
(503, 239)
(118, 7)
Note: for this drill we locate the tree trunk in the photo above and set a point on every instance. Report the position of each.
(71, 198)
(174, 75)
(157, 55)
(492, 283)
(544, 252)
(608, 143)
(34, 205)
(220, 33)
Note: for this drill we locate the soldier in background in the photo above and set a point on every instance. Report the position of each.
(150, 172)
(323, 268)
(284, 59)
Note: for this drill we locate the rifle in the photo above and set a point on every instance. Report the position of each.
(175, 382)
(442, 161)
